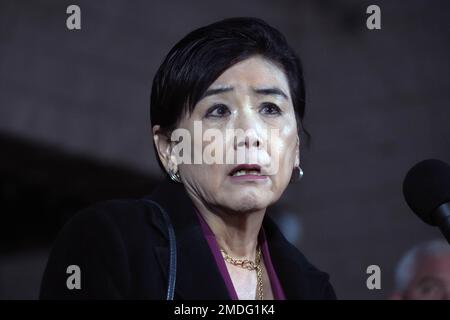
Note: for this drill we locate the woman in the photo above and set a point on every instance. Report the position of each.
(204, 234)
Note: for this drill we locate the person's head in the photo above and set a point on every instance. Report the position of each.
(235, 74)
(423, 273)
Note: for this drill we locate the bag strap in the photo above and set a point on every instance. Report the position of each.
(172, 250)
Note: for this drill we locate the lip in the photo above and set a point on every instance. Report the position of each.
(247, 176)
(245, 167)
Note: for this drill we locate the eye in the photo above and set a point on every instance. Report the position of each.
(217, 111)
(270, 109)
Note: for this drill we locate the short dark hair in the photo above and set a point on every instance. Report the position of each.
(198, 59)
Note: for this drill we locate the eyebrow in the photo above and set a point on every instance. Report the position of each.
(220, 90)
(272, 91)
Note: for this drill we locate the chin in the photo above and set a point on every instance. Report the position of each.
(249, 201)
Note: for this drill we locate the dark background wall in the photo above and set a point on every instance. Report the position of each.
(74, 123)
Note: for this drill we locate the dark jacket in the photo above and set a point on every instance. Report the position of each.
(121, 247)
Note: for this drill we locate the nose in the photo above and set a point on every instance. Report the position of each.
(247, 132)
(247, 140)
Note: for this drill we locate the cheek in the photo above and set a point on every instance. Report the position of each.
(202, 177)
(283, 151)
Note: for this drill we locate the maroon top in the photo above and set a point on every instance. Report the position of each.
(278, 292)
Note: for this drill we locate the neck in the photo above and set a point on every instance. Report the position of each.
(235, 232)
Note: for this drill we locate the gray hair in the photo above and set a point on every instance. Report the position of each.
(407, 266)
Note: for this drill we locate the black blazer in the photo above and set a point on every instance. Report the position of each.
(121, 247)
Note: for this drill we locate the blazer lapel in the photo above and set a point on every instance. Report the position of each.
(296, 275)
(198, 276)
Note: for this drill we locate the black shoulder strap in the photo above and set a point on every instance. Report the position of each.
(172, 250)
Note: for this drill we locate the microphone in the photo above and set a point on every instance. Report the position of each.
(426, 189)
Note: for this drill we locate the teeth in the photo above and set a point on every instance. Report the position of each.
(246, 172)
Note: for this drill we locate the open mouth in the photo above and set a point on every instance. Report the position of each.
(246, 170)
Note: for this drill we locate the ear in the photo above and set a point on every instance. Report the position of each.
(297, 153)
(163, 147)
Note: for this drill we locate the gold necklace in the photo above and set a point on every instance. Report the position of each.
(249, 265)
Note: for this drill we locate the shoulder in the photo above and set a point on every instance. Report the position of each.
(120, 218)
(127, 224)
(105, 240)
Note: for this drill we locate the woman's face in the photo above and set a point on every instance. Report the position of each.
(253, 96)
